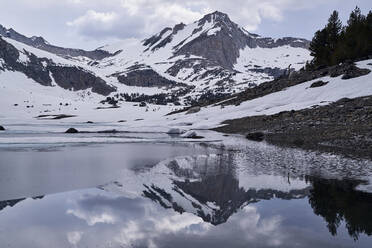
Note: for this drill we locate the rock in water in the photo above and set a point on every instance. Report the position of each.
(72, 130)
(176, 131)
(191, 135)
(2, 128)
(257, 136)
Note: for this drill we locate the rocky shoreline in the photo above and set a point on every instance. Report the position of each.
(343, 127)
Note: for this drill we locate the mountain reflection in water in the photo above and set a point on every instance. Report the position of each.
(224, 198)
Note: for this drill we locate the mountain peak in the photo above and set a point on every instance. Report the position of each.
(216, 17)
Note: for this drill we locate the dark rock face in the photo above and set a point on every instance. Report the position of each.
(318, 84)
(72, 130)
(165, 40)
(41, 43)
(145, 78)
(2, 128)
(34, 68)
(78, 79)
(256, 136)
(224, 46)
(39, 69)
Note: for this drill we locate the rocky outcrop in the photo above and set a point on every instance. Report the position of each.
(76, 78)
(34, 69)
(338, 127)
(317, 84)
(144, 77)
(41, 69)
(2, 128)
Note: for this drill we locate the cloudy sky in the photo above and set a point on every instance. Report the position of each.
(92, 23)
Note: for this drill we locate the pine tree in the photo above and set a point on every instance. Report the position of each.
(355, 17)
(334, 28)
(318, 47)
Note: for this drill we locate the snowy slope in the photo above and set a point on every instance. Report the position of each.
(293, 98)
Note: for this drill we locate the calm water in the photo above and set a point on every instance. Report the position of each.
(166, 193)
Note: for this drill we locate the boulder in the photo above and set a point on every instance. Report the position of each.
(191, 135)
(72, 130)
(176, 131)
(318, 84)
(193, 110)
(354, 72)
(2, 128)
(256, 136)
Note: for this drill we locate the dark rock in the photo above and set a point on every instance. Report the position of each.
(193, 110)
(354, 72)
(76, 78)
(2, 128)
(318, 84)
(122, 121)
(142, 104)
(144, 77)
(191, 135)
(256, 136)
(72, 130)
(109, 131)
(90, 122)
(298, 142)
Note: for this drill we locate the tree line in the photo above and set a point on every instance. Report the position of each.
(336, 43)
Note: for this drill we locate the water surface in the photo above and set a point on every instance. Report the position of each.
(171, 193)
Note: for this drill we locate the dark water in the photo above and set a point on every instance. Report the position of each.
(236, 194)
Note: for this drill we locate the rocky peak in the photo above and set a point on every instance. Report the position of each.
(41, 43)
(39, 40)
(178, 27)
(216, 17)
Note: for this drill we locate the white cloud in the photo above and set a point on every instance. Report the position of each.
(97, 20)
(93, 18)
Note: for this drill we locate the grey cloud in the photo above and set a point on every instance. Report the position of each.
(90, 23)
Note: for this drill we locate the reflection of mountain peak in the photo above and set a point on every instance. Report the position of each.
(208, 187)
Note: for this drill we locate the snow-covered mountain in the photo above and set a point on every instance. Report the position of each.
(207, 58)
(42, 44)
